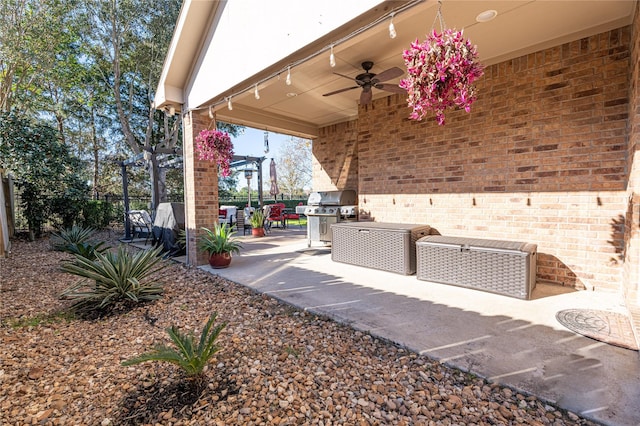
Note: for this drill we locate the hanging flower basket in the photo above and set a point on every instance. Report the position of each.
(441, 72)
(215, 146)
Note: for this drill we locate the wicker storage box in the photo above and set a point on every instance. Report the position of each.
(503, 267)
(387, 246)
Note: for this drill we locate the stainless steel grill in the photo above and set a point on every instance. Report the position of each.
(325, 208)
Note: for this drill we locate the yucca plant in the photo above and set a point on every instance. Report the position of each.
(68, 236)
(189, 356)
(114, 277)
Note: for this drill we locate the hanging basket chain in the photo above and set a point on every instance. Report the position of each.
(439, 17)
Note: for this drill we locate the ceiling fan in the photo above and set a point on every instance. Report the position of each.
(367, 80)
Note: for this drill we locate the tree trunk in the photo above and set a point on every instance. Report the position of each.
(60, 122)
(162, 185)
(96, 158)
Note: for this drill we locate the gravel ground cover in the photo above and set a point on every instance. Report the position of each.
(277, 366)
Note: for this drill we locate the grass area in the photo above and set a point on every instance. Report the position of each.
(40, 319)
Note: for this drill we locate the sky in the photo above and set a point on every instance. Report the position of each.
(251, 143)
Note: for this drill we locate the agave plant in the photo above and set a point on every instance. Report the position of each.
(114, 277)
(86, 249)
(189, 356)
(69, 236)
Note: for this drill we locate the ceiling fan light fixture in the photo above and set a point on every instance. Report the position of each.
(487, 15)
(288, 79)
(392, 28)
(332, 58)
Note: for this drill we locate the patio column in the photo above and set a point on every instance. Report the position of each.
(632, 229)
(200, 189)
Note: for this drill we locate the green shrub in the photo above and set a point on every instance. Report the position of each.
(114, 277)
(70, 236)
(191, 358)
(97, 214)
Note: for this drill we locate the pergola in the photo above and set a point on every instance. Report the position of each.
(171, 158)
(248, 163)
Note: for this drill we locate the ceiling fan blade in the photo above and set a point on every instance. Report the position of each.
(341, 90)
(389, 74)
(365, 97)
(394, 88)
(345, 76)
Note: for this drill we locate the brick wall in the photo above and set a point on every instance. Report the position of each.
(201, 188)
(335, 157)
(632, 230)
(542, 157)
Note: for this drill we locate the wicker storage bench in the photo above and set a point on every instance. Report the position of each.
(503, 267)
(386, 246)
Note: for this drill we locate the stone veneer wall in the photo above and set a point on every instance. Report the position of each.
(542, 157)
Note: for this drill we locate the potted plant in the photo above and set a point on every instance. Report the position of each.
(257, 223)
(220, 244)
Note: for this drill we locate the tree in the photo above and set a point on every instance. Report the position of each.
(127, 42)
(44, 72)
(46, 172)
(227, 185)
(294, 166)
(35, 47)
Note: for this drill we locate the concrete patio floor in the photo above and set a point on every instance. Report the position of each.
(506, 340)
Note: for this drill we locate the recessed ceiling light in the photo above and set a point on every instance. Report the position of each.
(487, 15)
(292, 95)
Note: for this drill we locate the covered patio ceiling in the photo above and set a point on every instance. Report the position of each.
(300, 109)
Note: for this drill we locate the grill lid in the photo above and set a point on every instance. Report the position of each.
(332, 198)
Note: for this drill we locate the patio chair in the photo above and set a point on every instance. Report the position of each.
(141, 223)
(276, 214)
(266, 210)
(242, 223)
(290, 215)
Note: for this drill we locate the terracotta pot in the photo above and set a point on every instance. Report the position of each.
(257, 232)
(220, 260)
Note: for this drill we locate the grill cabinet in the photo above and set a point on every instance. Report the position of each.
(387, 246)
(503, 267)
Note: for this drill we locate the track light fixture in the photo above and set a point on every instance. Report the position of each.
(332, 58)
(392, 28)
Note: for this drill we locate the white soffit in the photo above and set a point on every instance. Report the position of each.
(249, 36)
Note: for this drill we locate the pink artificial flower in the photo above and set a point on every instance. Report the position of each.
(441, 72)
(215, 146)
